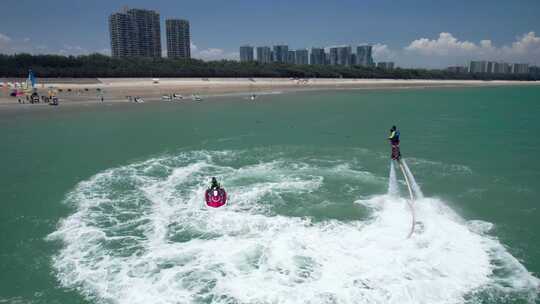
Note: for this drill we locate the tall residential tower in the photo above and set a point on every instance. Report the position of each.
(178, 38)
(317, 56)
(264, 54)
(301, 57)
(246, 53)
(364, 55)
(340, 55)
(281, 53)
(135, 32)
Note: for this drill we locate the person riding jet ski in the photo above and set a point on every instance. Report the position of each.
(214, 184)
(215, 196)
(394, 141)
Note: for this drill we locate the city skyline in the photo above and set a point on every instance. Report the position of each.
(432, 38)
(333, 55)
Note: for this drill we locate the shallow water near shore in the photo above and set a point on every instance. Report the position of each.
(103, 203)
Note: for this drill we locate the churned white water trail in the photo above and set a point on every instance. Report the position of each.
(393, 187)
(142, 234)
(410, 201)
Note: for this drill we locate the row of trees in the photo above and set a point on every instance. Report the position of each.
(97, 65)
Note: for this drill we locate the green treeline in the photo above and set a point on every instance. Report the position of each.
(97, 65)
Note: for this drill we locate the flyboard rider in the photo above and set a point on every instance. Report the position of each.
(394, 141)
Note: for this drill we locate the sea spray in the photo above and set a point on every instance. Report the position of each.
(141, 234)
(393, 188)
(416, 188)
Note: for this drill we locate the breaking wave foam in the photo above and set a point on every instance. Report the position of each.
(141, 234)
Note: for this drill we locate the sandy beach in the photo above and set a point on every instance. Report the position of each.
(118, 89)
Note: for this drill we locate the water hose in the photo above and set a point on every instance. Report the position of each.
(409, 202)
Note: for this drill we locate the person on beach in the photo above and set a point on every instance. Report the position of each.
(394, 141)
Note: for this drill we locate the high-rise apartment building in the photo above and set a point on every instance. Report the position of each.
(333, 56)
(478, 67)
(135, 32)
(301, 56)
(502, 68)
(390, 66)
(353, 59)
(246, 53)
(452, 69)
(520, 68)
(340, 55)
(264, 54)
(364, 55)
(290, 57)
(317, 56)
(281, 52)
(178, 38)
(344, 56)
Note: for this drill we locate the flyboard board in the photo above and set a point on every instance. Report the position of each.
(215, 198)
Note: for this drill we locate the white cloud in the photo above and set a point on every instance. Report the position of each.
(4, 39)
(447, 49)
(73, 50)
(445, 45)
(215, 54)
(105, 51)
(210, 54)
(5, 43)
(527, 44)
(382, 52)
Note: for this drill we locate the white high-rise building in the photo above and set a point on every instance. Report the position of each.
(301, 57)
(478, 67)
(340, 55)
(246, 53)
(520, 68)
(317, 56)
(264, 54)
(281, 53)
(364, 55)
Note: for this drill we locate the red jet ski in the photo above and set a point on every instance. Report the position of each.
(215, 198)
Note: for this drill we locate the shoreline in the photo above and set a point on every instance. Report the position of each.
(116, 90)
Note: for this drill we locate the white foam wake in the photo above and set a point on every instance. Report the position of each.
(393, 187)
(141, 234)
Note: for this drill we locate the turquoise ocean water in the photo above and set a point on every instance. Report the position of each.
(104, 203)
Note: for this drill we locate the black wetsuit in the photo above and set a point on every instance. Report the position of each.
(394, 141)
(215, 185)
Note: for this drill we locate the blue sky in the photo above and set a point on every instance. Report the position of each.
(412, 33)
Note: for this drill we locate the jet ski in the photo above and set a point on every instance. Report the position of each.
(215, 197)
